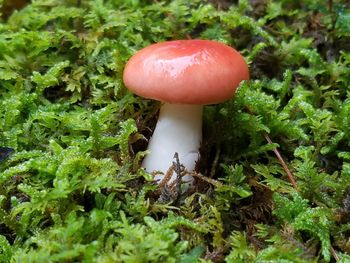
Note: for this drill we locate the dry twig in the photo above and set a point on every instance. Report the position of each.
(280, 159)
(334, 254)
(283, 163)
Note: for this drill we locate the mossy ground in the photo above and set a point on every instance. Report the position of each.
(72, 137)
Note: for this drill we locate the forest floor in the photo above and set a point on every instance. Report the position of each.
(273, 181)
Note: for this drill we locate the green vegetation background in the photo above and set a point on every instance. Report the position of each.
(72, 189)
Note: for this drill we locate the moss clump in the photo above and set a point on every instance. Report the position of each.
(72, 137)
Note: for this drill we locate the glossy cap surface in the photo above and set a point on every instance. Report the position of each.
(186, 72)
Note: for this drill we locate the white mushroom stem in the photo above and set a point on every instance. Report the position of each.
(178, 130)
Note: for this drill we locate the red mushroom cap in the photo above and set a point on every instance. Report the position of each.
(186, 72)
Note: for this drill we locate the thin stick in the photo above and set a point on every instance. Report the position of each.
(284, 165)
(279, 157)
(207, 179)
(334, 254)
(215, 162)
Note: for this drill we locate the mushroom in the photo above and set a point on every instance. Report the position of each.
(184, 75)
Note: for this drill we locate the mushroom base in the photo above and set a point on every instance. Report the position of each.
(178, 130)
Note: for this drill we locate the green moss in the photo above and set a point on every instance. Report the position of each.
(72, 137)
